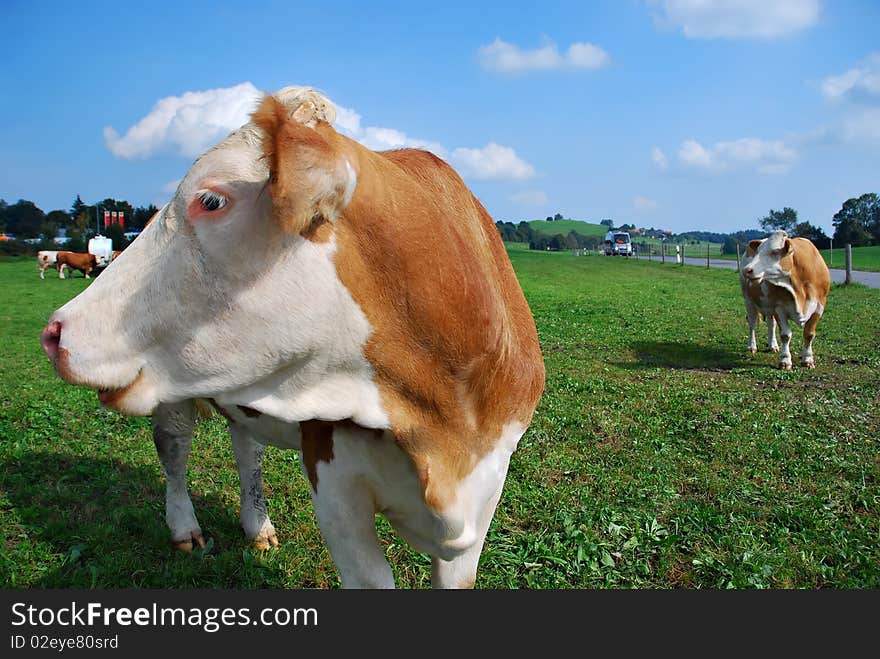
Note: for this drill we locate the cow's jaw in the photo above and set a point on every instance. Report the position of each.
(135, 399)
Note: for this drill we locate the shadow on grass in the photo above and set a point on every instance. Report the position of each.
(99, 523)
(684, 355)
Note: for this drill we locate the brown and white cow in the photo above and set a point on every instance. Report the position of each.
(47, 258)
(356, 305)
(785, 280)
(83, 261)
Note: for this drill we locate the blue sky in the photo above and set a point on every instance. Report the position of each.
(677, 114)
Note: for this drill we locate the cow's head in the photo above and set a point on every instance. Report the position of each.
(771, 259)
(231, 288)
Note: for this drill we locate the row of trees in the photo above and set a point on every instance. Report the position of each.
(524, 233)
(24, 219)
(857, 222)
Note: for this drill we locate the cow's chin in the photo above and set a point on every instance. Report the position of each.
(136, 399)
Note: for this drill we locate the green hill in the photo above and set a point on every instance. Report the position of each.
(564, 226)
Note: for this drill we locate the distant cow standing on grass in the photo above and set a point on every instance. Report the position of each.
(358, 306)
(47, 258)
(82, 261)
(786, 281)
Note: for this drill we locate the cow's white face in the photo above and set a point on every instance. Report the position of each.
(770, 262)
(218, 299)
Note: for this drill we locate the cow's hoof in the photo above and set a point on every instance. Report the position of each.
(773, 349)
(784, 366)
(264, 542)
(752, 351)
(809, 364)
(186, 545)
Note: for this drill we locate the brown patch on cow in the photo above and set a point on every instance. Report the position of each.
(453, 345)
(220, 410)
(250, 411)
(113, 398)
(62, 366)
(316, 446)
(810, 277)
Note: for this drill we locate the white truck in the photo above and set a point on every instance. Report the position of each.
(102, 247)
(618, 243)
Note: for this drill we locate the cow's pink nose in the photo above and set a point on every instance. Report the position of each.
(748, 271)
(50, 337)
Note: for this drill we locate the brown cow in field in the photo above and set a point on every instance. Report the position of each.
(82, 261)
(354, 305)
(785, 280)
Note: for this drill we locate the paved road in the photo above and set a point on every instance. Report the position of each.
(871, 279)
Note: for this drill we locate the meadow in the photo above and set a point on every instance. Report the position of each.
(661, 456)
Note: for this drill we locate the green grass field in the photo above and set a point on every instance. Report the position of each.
(661, 456)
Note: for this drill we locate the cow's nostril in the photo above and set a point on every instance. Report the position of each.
(50, 337)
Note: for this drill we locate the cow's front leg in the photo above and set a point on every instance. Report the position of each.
(752, 316)
(809, 334)
(785, 354)
(254, 515)
(344, 505)
(172, 433)
(772, 345)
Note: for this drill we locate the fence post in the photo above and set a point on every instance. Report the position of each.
(737, 257)
(707, 254)
(831, 252)
(663, 251)
(848, 263)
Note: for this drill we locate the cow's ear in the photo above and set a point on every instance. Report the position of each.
(753, 247)
(310, 179)
(787, 247)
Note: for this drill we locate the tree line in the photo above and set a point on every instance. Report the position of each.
(524, 233)
(24, 219)
(857, 223)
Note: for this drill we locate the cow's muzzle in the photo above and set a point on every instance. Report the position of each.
(50, 339)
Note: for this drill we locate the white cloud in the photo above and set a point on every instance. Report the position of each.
(508, 58)
(583, 55)
(730, 19)
(377, 137)
(187, 124)
(747, 153)
(191, 123)
(860, 81)
(530, 198)
(660, 159)
(493, 161)
(862, 127)
(644, 204)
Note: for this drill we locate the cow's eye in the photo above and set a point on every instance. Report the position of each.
(212, 201)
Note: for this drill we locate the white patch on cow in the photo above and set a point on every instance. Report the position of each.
(369, 475)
